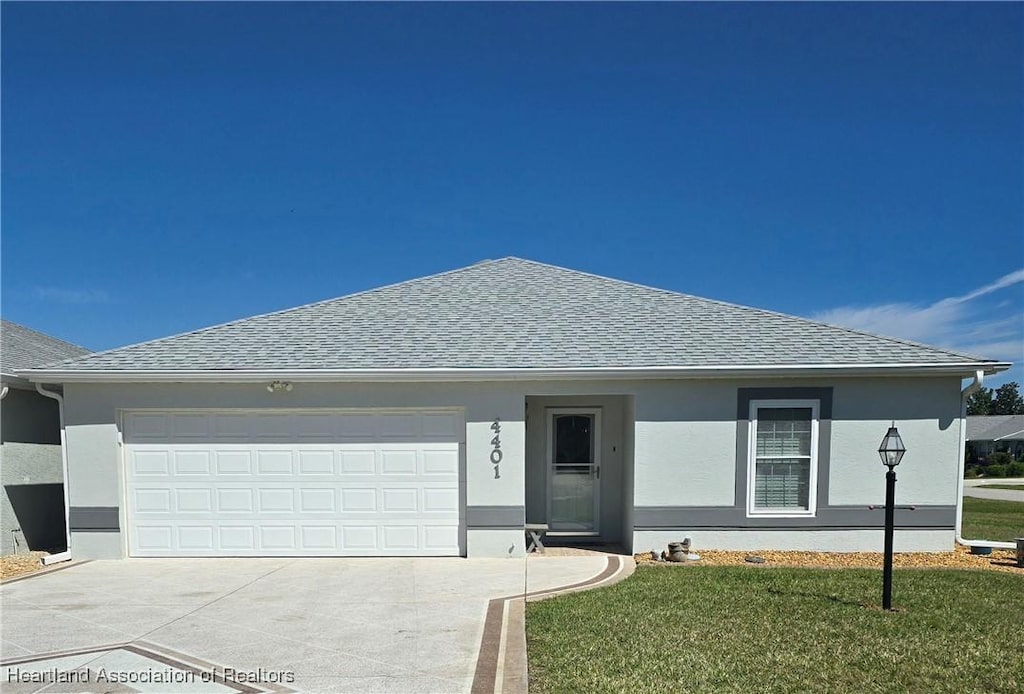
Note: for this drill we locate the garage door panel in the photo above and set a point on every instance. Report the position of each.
(357, 462)
(281, 484)
(237, 538)
(153, 500)
(231, 462)
(149, 463)
(190, 426)
(192, 462)
(394, 462)
(274, 462)
(319, 537)
(196, 538)
(235, 500)
(193, 501)
(312, 500)
(441, 462)
(231, 427)
(316, 462)
(359, 500)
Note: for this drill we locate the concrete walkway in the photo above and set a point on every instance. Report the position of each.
(974, 488)
(268, 625)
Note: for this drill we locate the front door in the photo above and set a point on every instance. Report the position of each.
(574, 470)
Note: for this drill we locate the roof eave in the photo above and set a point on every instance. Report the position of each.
(963, 369)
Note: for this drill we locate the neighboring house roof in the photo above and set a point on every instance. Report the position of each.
(23, 348)
(1002, 427)
(509, 314)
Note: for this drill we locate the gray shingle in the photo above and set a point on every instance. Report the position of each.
(24, 348)
(514, 313)
(993, 427)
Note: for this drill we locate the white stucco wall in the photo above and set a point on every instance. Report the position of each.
(683, 443)
(96, 471)
(927, 413)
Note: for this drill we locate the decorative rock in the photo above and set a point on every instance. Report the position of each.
(754, 560)
(677, 551)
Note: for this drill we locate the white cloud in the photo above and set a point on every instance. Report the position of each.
(71, 296)
(958, 322)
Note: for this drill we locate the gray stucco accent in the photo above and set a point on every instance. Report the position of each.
(495, 516)
(745, 395)
(95, 519)
(834, 517)
(822, 395)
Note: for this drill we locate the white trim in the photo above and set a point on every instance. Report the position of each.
(59, 397)
(549, 417)
(812, 490)
(488, 374)
(971, 389)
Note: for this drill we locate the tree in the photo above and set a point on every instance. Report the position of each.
(1007, 400)
(980, 403)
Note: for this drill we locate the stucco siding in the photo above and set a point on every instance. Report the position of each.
(23, 466)
(927, 413)
(28, 417)
(685, 463)
(92, 414)
(678, 447)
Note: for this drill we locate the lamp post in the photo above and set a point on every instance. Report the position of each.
(891, 451)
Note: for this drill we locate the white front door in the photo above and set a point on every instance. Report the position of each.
(292, 482)
(574, 470)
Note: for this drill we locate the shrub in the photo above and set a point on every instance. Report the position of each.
(995, 471)
(972, 472)
(1015, 470)
(999, 458)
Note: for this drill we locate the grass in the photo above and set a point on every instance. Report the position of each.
(1016, 487)
(988, 519)
(757, 629)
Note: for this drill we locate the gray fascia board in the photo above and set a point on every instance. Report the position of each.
(827, 518)
(964, 369)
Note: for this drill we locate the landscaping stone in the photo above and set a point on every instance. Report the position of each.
(960, 558)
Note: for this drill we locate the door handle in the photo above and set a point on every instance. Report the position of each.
(597, 471)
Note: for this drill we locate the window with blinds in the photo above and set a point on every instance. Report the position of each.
(782, 456)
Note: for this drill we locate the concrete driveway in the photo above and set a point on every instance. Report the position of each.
(260, 625)
(975, 488)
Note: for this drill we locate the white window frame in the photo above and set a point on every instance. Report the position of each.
(812, 491)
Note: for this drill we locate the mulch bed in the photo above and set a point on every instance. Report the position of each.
(13, 565)
(960, 558)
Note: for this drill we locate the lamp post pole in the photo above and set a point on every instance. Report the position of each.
(891, 451)
(890, 508)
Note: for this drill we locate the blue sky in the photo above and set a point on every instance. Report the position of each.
(170, 166)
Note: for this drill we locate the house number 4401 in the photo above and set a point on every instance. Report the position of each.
(496, 447)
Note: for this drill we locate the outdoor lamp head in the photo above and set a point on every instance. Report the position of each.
(891, 449)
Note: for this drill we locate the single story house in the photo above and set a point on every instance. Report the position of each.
(990, 433)
(31, 471)
(438, 415)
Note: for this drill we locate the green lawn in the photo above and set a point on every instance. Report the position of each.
(988, 519)
(758, 629)
(1016, 487)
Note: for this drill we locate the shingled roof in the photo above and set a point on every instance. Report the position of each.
(23, 348)
(514, 314)
(995, 427)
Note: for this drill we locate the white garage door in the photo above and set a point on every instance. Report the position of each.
(292, 483)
